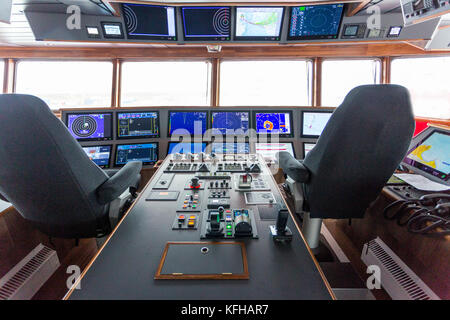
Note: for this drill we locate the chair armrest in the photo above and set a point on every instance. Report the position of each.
(292, 167)
(3, 198)
(119, 182)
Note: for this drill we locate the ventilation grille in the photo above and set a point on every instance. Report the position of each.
(27, 277)
(397, 278)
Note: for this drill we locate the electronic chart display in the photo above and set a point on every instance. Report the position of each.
(145, 152)
(313, 123)
(221, 148)
(188, 122)
(258, 23)
(315, 22)
(206, 23)
(90, 126)
(146, 22)
(137, 124)
(307, 147)
(270, 150)
(100, 155)
(274, 123)
(230, 122)
(186, 147)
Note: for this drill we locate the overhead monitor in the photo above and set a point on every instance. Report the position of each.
(307, 147)
(206, 23)
(258, 23)
(270, 150)
(112, 30)
(313, 123)
(90, 126)
(430, 155)
(279, 123)
(315, 22)
(100, 155)
(188, 122)
(149, 22)
(240, 147)
(230, 122)
(137, 124)
(145, 152)
(186, 147)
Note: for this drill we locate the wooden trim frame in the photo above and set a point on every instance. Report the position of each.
(9, 76)
(215, 82)
(316, 89)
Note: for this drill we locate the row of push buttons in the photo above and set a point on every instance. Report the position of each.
(191, 201)
(191, 220)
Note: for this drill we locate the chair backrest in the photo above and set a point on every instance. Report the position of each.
(44, 172)
(361, 146)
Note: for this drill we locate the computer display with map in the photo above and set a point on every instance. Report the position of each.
(307, 147)
(240, 147)
(206, 23)
(274, 123)
(188, 122)
(269, 150)
(145, 152)
(100, 155)
(230, 122)
(186, 147)
(137, 124)
(313, 123)
(315, 22)
(258, 23)
(90, 126)
(431, 155)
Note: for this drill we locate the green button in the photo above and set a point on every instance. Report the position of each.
(228, 226)
(229, 234)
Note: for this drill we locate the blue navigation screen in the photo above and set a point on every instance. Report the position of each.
(206, 23)
(100, 155)
(230, 122)
(90, 126)
(187, 123)
(273, 122)
(242, 147)
(145, 152)
(186, 147)
(137, 124)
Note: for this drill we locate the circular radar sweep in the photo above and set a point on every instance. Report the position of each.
(321, 20)
(84, 126)
(268, 125)
(130, 19)
(221, 22)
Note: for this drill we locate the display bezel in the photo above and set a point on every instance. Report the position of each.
(258, 38)
(302, 118)
(189, 111)
(109, 36)
(206, 38)
(110, 153)
(282, 135)
(66, 121)
(130, 144)
(138, 137)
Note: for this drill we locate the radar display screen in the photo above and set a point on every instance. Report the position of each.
(100, 155)
(230, 122)
(137, 124)
(313, 123)
(274, 123)
(187, 123)
(206, 23)
(186, 147)
(315, 22)
(90, 126)
(240, 147)
(149, 22)
(145, 152)
(258, 23)
(269, 150)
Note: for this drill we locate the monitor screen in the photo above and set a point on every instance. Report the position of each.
(145, 152)
(313, 123)
(187, 123)
(186, 147)
(149, 22)
(112, 30)
(269, 150)
(230, 122)
(394, 31)
(100, 155)
(258, 23)
(137, 124)
(90, 126)
(240, 147)
(307, 147)
(274, 123)
(432, 155)
(315, 21)
(206, 23)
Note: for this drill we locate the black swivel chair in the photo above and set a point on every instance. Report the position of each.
(48, 177)
(362, 144)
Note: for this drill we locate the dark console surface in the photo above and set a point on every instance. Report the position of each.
(205, 208)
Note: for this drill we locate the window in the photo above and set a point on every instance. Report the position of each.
(341, 76)
(67, 84)
(427, 81)
(166, 83)
(2, 75)
(265, 83)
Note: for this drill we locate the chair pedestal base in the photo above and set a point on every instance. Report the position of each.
(311, 230)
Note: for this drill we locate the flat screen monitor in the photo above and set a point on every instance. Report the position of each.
(186, 147)
(279, 123)
(230, 122)
(100, 155)
(137, 124)
(145, 152)
(90, 126)
(112, 30)
(313, 123)
(240, 147)
(144, 22)
(269, 150)
(258, 23)
(206, 23)
(188, 122)
(430, 155)
(307, 147)
(315, 22)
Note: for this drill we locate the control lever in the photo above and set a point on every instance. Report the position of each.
(195, 183)
(280, 231)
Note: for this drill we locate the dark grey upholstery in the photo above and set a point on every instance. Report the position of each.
(361, 146)
(47, 176)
